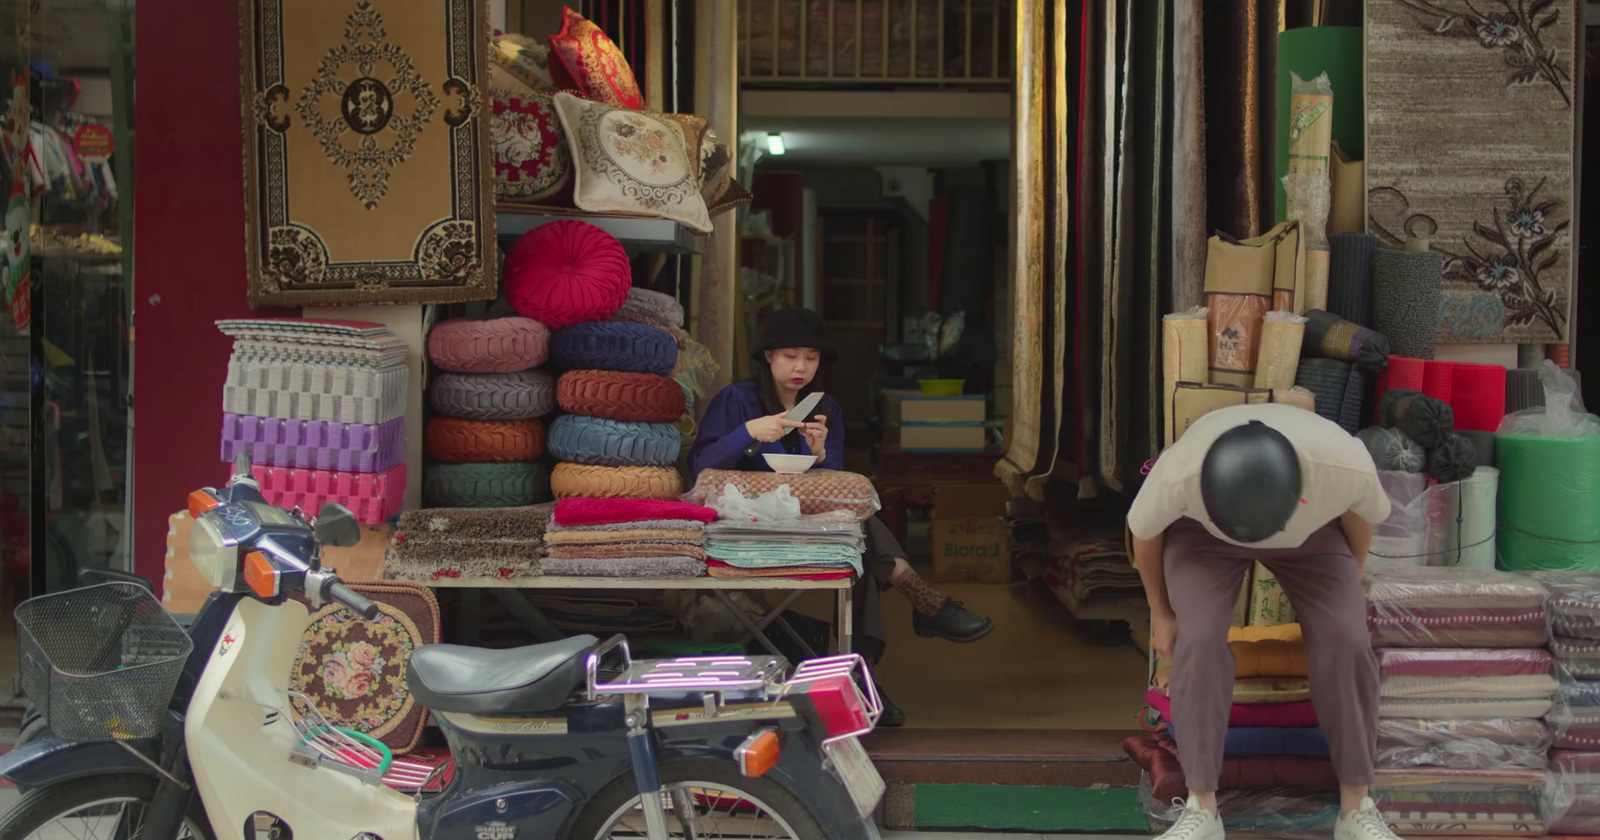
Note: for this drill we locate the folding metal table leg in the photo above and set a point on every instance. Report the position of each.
(757, 630)
(529, 615)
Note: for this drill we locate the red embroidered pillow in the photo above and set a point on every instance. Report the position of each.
(531, 162)
(591, 64)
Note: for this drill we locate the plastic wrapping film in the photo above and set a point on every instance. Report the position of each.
(1442, 525)
(1288, 813)
(1574, 604)
(1572, 794)
(1282, 334)
(1392, 451)
(1425, 801)
(818, 491)
(1455, 607)
(1549, 459)
(1575, 719)
(1507, 743)
(1310, 200)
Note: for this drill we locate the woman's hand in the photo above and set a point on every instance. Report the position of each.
(816, 435)
(769, 429)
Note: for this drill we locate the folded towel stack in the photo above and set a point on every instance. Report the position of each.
(627, 538)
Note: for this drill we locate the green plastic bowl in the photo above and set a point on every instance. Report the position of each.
(942, 387)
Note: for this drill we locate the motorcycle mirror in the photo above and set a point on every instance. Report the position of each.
(337, 526)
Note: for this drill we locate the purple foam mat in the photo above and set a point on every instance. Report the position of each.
(314, 444)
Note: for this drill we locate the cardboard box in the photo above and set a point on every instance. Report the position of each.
(971, 550)
(963, 501)
(920, 409)
(1191, 401)
(919, 437)
(890, 402)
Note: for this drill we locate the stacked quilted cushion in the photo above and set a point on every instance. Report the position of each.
(695, 370)
(644, 538)
(486, 437)
(1465, 686)
(318, 406)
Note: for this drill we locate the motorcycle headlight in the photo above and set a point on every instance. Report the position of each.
(215, 557)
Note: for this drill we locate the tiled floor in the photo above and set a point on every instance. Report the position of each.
(1038, 670)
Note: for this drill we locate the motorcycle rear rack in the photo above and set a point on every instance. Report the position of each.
(323, 745)
(718, 676)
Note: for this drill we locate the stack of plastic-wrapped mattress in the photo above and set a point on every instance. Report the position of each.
(1572, 799)
(1466, 684)
(319, 408)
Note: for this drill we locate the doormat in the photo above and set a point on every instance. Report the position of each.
(1469, 145)
(1029, 808)
(368, 164)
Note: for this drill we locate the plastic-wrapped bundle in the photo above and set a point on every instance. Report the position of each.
(1464, 662)
(1423, 418)
(1575, 720)
(1455, 607)
(1287, 813)
(1579, 658)
(1572, 797)
(1574, 604)
(1392, 451)
(1462, 744)
(1434, 800)
(1549, 460)
(1453, 459)
(1157, 754)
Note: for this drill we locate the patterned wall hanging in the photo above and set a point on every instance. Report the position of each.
(1470, 145)
(369, 175)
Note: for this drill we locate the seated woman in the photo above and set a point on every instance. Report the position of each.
(749, 416)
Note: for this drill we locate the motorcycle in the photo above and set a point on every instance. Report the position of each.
(162, 731)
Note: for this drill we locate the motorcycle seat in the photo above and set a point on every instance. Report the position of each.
(478, 681)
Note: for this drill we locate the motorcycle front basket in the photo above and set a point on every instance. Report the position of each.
(100, 663)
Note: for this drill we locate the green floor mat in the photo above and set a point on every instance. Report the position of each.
(1023, 808)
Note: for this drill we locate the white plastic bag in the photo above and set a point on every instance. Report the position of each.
(776, 506)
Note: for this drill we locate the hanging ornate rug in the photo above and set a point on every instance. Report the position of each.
(1469, 145)
(368, 169)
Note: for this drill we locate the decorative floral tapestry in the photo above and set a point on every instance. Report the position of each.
(355, 670)
(369, 169)
(1469, 145)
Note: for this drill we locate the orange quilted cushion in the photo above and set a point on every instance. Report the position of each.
(586, 482)
(1268, 651)
(453, 441)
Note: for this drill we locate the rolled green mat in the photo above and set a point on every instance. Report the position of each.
(1549, 503)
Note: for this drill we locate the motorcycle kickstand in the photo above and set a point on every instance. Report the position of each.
(646, 775)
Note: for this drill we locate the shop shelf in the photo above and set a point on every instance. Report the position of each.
(636, 233)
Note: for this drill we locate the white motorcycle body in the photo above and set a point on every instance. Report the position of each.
(240, 734)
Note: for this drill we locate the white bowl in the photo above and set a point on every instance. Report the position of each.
(790, 464)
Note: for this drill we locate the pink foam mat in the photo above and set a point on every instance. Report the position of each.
(374, 498)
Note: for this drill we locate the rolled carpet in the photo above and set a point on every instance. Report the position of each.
(1423, 418)
(1405, 300)
(1327, 379)
(1549, 503)
(1350, 277)
(1355, 390)
(1331, 337)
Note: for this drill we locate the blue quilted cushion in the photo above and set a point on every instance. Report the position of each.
(614, 345)
(1271, 740)
(599, 442)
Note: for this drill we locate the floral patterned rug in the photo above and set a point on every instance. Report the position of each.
(1470, 145)
(355, 670)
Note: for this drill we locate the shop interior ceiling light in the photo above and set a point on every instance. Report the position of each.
(775, 143)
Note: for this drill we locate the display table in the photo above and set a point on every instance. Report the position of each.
(912, 477)
(509, 594)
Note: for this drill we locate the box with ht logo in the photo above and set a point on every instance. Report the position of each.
(971, 550)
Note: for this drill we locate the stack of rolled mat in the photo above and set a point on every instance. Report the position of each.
(642, 538)
(1437, 801)
(794, 549)
(472, 543)
(1339, 388)
(486, 438)
(1091, 569)
(1443, 607)
(319, 408)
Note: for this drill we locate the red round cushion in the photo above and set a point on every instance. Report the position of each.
(454, 441)
(617, 395)
(566, 273)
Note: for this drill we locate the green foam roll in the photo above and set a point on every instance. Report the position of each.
(1310, 51)
(1549, 503)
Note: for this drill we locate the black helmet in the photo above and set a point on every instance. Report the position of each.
(1250, 482)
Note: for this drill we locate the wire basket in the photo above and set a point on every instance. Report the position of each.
(100, 663)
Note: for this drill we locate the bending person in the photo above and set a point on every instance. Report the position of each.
(1281, 485)
(793, 350)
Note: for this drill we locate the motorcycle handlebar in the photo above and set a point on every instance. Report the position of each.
(345, 596)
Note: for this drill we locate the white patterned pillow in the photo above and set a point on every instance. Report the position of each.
(632, 162)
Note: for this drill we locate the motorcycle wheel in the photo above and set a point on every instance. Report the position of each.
(102, 806)
(720, 801)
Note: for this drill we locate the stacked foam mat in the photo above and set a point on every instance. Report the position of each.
(319, 408)
(1276, 774)
(486, 436)
(1466, 684)
(1572, 800)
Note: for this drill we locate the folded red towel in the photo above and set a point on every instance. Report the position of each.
(611, 511)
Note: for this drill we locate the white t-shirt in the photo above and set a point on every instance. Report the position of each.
(1336, 475)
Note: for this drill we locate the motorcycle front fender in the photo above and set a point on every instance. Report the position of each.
(49, 760)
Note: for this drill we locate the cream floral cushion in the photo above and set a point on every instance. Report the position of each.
(632, 162)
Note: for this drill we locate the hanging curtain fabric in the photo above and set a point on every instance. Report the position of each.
(1187, 155)
(1240, 75)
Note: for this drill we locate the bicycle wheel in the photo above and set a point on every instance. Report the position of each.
(702, 799)
(105, 806)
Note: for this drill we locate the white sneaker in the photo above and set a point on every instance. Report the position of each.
(1193, 823)
(1364, 823)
